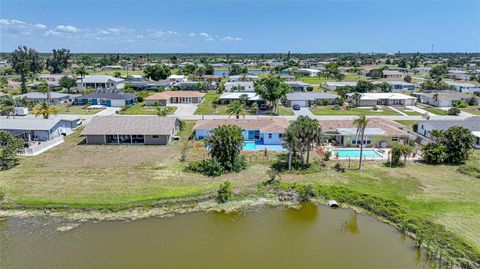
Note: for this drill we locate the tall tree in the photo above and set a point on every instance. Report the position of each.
(225, 145)
(7, 106)
(157, 72)
(361, 124)
(10, 147)
(438, 72)
(67, 83)
(272, 89)
(43, 87)
(26, 61)
(458, 142)
(81, 72)
(59, 61)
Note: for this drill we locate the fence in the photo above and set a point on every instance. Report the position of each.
(38, 148)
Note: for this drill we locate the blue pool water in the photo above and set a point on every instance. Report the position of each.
(355, 153)
(252, 145)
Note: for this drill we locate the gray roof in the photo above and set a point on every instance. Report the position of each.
(30, 124)
(143, 125)
(310, 96)
(40, 95)
(99, 79)
(297, 84)
(446, 95)
(108, 95)
(472, 123)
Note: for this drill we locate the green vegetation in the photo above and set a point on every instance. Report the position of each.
(10, 147)
(272, 89)
(407, 123)
(434, 110)
(320, 80)
(408, 112)
(336, 110)
(209, 106)
(76, 110)
(452, 146)
(224, 192)
(475, 110)
(142, 109)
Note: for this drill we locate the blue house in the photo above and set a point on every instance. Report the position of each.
(109, 99)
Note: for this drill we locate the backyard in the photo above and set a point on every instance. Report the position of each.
(319, 80)
(76, 110)
(141, 109)
(330, 110)
(112, 176)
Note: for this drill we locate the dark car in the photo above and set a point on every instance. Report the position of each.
(296, 107)
(263, 107)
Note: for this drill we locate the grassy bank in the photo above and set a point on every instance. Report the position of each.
(112, 177)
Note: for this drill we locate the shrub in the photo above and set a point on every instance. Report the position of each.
(306, 193)
(339, 168)
(327, 155)
(336, 107)
(224, 192)
(454, 111)
(415, 127)
(210, 167)
(473, 102)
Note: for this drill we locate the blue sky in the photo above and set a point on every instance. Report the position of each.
(241, 26)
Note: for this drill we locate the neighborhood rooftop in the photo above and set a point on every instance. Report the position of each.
(146, 125)
(265, 125)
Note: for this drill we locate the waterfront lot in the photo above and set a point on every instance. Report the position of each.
(114, 176)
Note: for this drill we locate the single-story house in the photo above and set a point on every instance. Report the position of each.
(473, 124)
(212, 78)
(306, 99)
(100, 82)
(421, 70)
(240, 86)
(228, 97)
(385, 99)
(186, 85)
(174, 97)
(148, 85)
(443, 98)
(244, 77)
(177, 78)
(331, 85)
(458, 74)
(39, 129)
(55, 97)
(286, 77)
(464, 87)
(147, 130)
(268, 131)
(299, 85)
(135, 78)
(310, 72)
(379, 133)
(400, 86)
(110, 99)
(392, 74)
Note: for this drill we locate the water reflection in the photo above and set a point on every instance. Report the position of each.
(351, 225)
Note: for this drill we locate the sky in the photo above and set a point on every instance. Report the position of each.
(234, 26)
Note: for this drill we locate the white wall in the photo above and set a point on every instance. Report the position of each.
(118, 103)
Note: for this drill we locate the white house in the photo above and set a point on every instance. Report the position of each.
(464, 87)
(100, 82)
(308, 72)
(425, 128)
(401, 86)
(228, 97)
(458, 74)
(386, 99)
(392, 74)
(240, 86)
(267, 131)
(331, 85)
(177, 78)
(443, 98)
(244, 77)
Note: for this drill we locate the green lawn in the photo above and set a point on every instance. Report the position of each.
(407, 123)
(328, 110)
(206, 107)
(76, 110)
(432, 109)
(408, 112)
(475, 110)
(319, 80)
(141, 109)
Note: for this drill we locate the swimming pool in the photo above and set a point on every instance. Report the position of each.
(253, 145)
(355, 153)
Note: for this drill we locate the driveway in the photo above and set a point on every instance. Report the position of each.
(304, 111)
(185, 109)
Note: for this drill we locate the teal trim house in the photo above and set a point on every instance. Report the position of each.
(106, 99)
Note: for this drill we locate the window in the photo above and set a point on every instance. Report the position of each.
(270, 136)
(155, 136)
(394, 139)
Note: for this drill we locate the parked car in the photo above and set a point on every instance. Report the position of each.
(263, 107)
(296, 107)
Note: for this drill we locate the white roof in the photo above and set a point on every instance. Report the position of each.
(353, 131)
(176, 76)
(383, 95)
(31, 124)
(238, 83)
(99, 79)
(236, 95)
(466, 85)
(311, 70)
(340, 84)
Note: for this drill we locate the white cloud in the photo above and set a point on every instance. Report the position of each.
(192, 34)
(19, 26)
(67, 28)
(161, 34)
(230, 39)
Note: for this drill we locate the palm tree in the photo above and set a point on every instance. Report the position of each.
(44, 88)
(236, 108)
(361, 124)
(290, 142)
(7, 106)
(82, 72)
(45, 110)
(356, 96)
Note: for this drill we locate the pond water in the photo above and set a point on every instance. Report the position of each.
(312, 237)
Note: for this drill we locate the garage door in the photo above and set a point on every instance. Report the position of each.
(300, 103)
